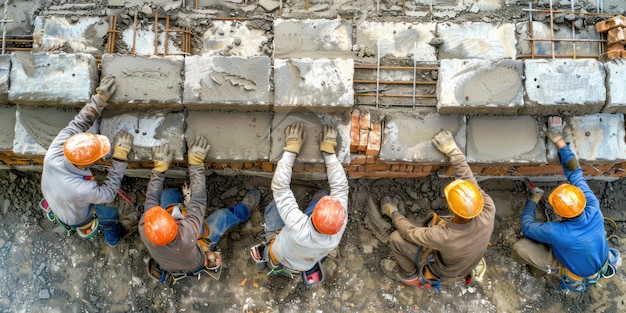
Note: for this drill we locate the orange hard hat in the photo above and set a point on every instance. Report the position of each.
(328, 215)
(464, 198)
(567, 200)
(84, 148)
(159, 225)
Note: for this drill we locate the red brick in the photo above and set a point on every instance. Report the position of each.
(610, 55)
(476, 169)
(538, 170)
(402, 168)
(610, 23)
(377, 167)
(248, 165)
(236, 165)
(495, 171)
(448, 171)
(370, 159)
(597, 170)
(355, 134)
(364, 134)
(357, 159)
(616, 47)
(386, 174)
(268, 167)
(409, 168)
(395, 167)
(351, 168)
(373, 141)
(364, 121)
(616, 35)
(298, 168)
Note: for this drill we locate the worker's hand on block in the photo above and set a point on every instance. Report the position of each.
(329, 139)
(106, 89)
(161, 157)
(388, 206)
(444, 142)
(198, 151)
(122, 145)
(555, 128)
(536, 194)
(294, 138)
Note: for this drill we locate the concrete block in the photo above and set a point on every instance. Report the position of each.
(233, 136)
(483, 5)
(5, 74)
(145, 81)
(490, 140)
(7, 127)
(555, 86)
(313, 126)
(613, 7)
(219, 82)
(542, 30)
(150, 129)
(321, 84)
(594, 138)
(397, 39)
(55, 33)
(61, 79)
(407, 138)
(473, 40)
(615, 91)
(141, 41)
(320, 37)
(234, 38)
(480, 87)
(22, 13)
(161, 4)
(36, 127)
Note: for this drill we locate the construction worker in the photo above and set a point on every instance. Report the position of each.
(573, 246)
(71, 196)
(296, 242)
(441, 250)
(180, 241)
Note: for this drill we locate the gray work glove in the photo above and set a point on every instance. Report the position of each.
(388, 206)
(294, 138)
(106, 89)
(555, 128)
(162, 158)
(198, 150)
(122, 145)
(329, 139)
(536, 194)
(444, 142)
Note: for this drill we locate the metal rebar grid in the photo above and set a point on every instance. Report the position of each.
(111, 34)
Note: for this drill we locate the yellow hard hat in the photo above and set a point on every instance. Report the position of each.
(464, 198)
(567, 200)
(84, 148)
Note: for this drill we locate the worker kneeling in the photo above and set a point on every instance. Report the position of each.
(180, 241)
(573, 246)
(442, 250)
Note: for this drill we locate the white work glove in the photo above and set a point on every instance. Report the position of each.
(122, 145)
(536, 194)
(294, 138)
(106, 89)
(444, 142)
(555, 128)
(162, 158)
(198, 150)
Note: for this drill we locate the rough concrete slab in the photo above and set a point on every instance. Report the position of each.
(42, 79)
(22, 13)
(407, 137)
(150, 129)
(595, 138)
(233, 136)
(221, 82)
(234, 38)
(613, 7)
(141, 42)
(473, 40)
(615, 82)
(397, 39)
(480, 87)
(320, 84)
(313, 124)
(561, 48)
(145, 81)
(7, 126)
(312, 38)
(491, 140)
(35, 128)
(5, 75)
(555, 86)
(164, 4)
(483, 5)
(54, 33)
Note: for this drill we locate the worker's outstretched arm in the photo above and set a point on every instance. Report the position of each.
(197, 176)
(283, 196)
(334, 171)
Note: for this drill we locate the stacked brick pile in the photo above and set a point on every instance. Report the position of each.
(615, 28)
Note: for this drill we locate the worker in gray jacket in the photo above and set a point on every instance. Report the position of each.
(71, 196)
(303, 239)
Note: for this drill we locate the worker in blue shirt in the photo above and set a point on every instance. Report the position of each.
(573, 246)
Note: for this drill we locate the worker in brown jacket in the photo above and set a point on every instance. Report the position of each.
(180, 241)
(449, 249)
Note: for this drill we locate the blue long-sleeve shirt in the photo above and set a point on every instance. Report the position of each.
(578, 243)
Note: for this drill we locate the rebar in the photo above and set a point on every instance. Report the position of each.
(156, 31)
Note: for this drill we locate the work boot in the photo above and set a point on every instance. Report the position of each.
(129, 223)
(390, 269)
(252, 199)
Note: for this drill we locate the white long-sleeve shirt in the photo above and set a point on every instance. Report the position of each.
(299, 245)
(63, 184)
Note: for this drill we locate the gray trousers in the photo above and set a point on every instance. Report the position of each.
(404, 252)
(537, 255)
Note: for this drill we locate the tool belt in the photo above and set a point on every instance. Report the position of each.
(263, 256)
(86, 229)
(573, 282)
(160, 275)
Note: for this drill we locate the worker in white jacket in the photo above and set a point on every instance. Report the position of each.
(71, 196)
(304, 239)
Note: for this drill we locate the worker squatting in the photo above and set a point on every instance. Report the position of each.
(182, 242)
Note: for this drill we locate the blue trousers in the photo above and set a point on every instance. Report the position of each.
(219, 221)
(109, 219)
(274, 222)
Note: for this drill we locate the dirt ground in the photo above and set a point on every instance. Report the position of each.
(45, 270)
